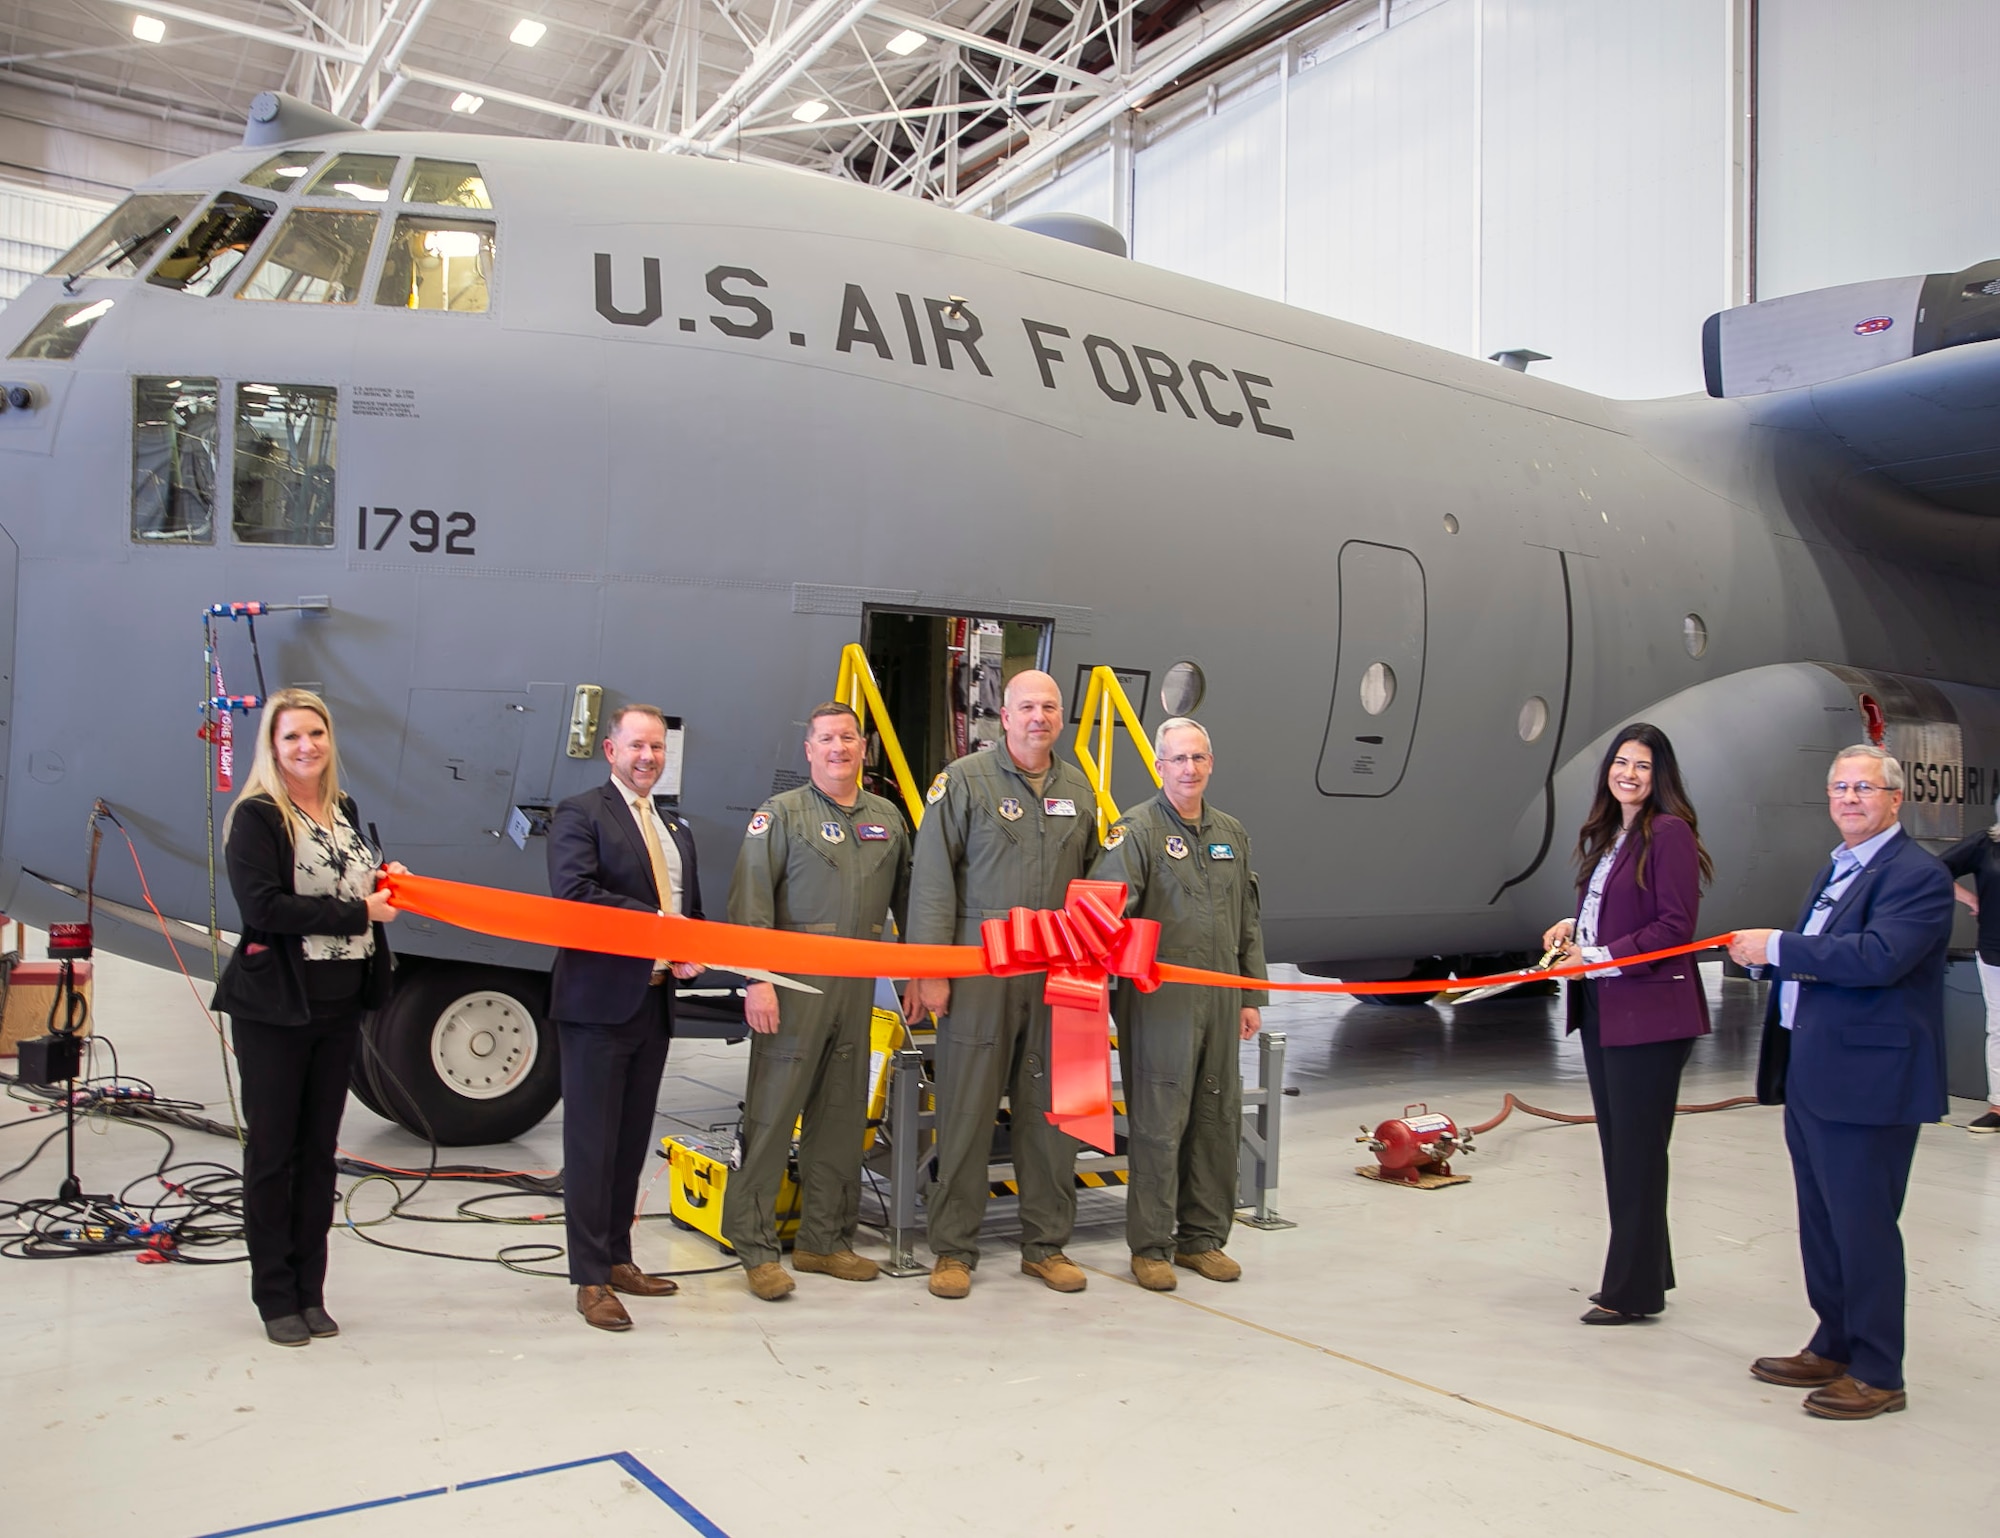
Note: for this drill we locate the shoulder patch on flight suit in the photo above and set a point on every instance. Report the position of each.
(833, 832)
(1177, 846)
(936, 793)
(1011, 809)
(759, 825)
(1058, 806)
(1222, 851)
(871, 832)
(1115, 837)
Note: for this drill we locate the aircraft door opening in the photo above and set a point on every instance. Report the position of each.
(942, 677)
(1378, 671)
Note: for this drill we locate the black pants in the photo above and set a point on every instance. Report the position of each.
(294, 1089)
(1633, 1090)
(611, 1094)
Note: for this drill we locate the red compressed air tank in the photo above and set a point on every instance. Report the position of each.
(1419, 1142)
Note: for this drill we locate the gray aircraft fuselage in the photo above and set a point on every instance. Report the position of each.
(716, 412)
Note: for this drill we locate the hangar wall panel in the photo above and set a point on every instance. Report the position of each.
(1875, 140)
(1603, 217)
(1081, 189)
(1379, 226)
(36, 227)
(1205, 198)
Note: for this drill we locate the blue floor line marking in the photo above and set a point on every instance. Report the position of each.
(658, 1487)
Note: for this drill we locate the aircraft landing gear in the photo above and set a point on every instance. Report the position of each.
(1424, 967)
(461, 1053)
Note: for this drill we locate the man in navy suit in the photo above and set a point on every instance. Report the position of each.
(1854, 1051)
(615, 846)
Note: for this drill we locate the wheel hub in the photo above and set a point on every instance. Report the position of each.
(484, 1045)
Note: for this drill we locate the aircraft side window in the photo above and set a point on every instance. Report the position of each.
(283, 490)
(282, 172)
(437, 264)
(126, 238)
(317, 258)
(447, 184)
(365, 178)
(211, 247)
(58, 334)
(174, 428)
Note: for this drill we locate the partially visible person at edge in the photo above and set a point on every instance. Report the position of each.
(1978, 855)
(313, 956)
(1640, 870)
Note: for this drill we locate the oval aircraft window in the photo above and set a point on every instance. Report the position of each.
(1181, 690)
(1534, 718)
(1378, 688)
(1694, 635)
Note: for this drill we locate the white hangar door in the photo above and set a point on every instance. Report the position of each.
(1378, 671)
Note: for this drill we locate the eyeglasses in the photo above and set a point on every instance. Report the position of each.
(1860, 788)
(1182, 760)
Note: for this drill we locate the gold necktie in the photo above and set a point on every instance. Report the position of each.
(649, 831)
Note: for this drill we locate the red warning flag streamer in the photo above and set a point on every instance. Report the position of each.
(1081, 946)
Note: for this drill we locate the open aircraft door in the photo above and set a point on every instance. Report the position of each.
(1378, 671)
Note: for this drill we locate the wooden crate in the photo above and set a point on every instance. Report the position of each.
(31, 993)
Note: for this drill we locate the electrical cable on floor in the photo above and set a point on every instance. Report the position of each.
(1515, 1103)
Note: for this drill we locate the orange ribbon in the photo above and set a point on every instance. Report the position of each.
(1081, 946)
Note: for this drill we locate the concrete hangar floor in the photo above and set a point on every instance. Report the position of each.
(1399, 1357)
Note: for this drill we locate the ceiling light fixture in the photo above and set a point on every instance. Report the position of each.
(148, 29)
(905, 43)
(810, 111)
(467, 103)
(528, 32)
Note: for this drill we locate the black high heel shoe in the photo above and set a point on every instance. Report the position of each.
(1598, 1314)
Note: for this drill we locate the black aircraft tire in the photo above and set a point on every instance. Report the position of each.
(361, 1077)
(466, 1054)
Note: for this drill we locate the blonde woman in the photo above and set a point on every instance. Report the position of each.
(1978, 856)
(313, 956)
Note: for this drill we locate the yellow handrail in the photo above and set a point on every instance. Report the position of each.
(1107, 694)
(855, 687)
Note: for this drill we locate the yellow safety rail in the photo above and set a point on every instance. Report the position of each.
(855, 688)
(1107, 695)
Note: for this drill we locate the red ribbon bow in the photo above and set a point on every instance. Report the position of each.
(1081, 946)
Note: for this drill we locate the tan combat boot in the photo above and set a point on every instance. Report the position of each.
(950, 1278)
(1153, 1275)
(844, 1264)
(770, 1281)
(1058, 1272)
(1213, 1264)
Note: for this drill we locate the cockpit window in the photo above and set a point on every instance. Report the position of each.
(317, 258)
(173, 460)
(447, 184)
(127, 237)
(366, 178)
(281, 172)
(284, 486)
(61, 331)
(214, 244)
(437, 264)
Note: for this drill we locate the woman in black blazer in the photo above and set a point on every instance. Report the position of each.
(313, 956)
(1978, 855)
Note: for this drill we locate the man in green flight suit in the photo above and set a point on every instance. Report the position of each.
(1010, 828)
(826, 858)
(1187, 865)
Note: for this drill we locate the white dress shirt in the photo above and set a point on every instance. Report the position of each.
(643, 812)
(1847, 864)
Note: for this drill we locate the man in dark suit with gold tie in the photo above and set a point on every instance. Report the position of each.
(615, 846)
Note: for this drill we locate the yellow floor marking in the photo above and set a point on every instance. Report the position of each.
(1466, 1399)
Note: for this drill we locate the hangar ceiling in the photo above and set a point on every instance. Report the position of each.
(953, 102)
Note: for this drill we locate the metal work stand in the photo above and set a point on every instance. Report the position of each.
(907, 1121)
(1257, 1171)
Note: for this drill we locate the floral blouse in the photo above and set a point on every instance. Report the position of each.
(335, 862)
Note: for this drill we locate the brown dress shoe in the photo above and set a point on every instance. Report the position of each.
(770, 1281)
(1849, 1399)
(1153, 1275)
(950, 1278)
(1213, 1264)
(601, 1309)
(1802, 1371)
(1058, 1273)
(629, 1278)
(842, 1264)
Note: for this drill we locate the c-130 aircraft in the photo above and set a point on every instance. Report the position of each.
(530, 429)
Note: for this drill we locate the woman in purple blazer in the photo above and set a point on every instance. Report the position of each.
(1640, 871)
